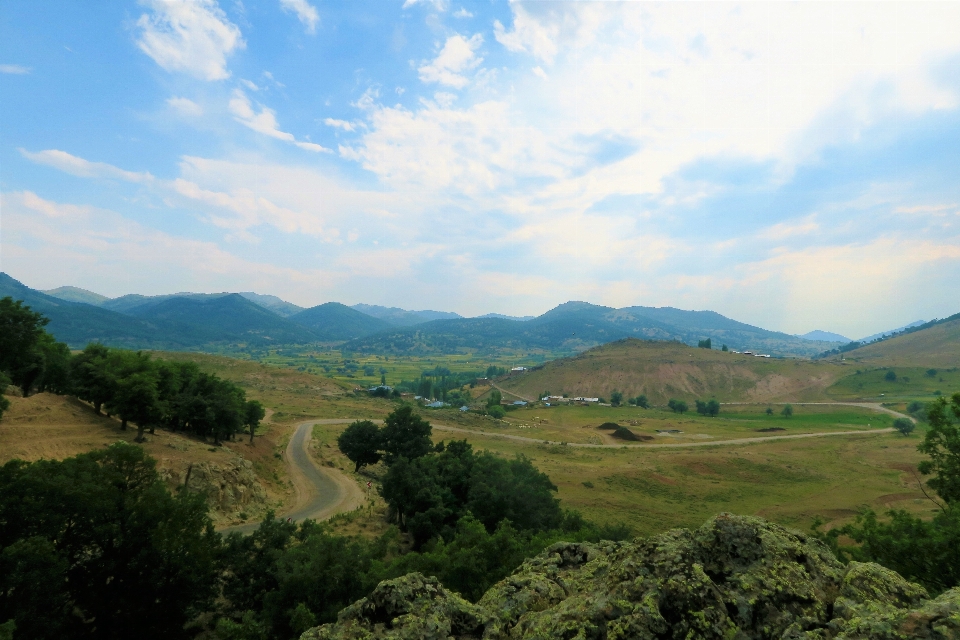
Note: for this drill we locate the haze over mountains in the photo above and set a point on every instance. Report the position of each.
(250, 320)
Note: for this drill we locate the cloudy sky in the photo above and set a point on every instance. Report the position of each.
(794, 166)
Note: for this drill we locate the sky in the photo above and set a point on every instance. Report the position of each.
(795, 166)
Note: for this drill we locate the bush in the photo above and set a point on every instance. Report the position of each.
(904, 425)
(496, 411)
(891, 376)
(787, 411)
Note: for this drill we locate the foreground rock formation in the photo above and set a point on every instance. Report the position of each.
(734, 578)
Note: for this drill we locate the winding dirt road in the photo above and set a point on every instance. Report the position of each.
(321, 492)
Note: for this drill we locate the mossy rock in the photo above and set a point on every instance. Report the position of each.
(734, 578)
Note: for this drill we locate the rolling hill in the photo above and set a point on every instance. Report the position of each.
(575, 326)
(334, 322)
(664, 370)
(76, 294)
(934, 346)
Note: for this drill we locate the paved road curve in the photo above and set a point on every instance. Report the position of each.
(320, 492)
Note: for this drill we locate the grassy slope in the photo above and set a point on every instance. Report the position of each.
(938, 346)
(664, 370)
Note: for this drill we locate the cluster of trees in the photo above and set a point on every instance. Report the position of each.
(30, 358)
(677, 406)
(640, 401)
(705, 344)
(924, 551)
(151, 393)
(709, 408)
(127, 384)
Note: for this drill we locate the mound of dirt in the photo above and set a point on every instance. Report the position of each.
(609, 426)
(625, 434)
(770, 429)
(734, 577)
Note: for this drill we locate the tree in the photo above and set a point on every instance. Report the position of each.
(904, 425)
(616, 398)
(135, 396)
(891, 376)
(94, 546)
(942, 444)
(705, 344)
(20, 330)
(677, 406)
(642, 402)
(405, 434)
(724, 348)
(4, 403)
(496, 411)
(787, 411)
(495, 398)
(769, 411)
(90, 377)
(931, 373)
(361, 442)
(709, 408)
(253, 415)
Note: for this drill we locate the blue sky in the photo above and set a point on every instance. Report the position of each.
(790, 165)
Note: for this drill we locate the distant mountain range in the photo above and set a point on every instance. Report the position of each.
(222, 320)
(824, 336)
(875, 336)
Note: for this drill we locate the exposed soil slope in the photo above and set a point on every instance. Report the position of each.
(664, 370)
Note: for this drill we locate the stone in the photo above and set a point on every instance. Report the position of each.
(734, 578)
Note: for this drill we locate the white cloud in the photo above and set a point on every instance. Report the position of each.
(84, 168)
(529, 34)
(192, 36)
(457, 56)
(439, 5)
(265, 121)
(462, 13)
(305, 12)
(339, 124)
(537, 71)
(185, 106)
(249, 85)
(48, 239)
(16, 69)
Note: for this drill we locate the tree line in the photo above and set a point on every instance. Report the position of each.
(127, 384)
(95, 546)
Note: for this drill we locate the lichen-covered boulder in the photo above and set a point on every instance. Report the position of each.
(734, 578)
(409, 608)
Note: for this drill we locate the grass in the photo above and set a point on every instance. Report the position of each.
(792, 482)
(912, 383)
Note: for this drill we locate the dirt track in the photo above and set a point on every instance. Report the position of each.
(321, 492)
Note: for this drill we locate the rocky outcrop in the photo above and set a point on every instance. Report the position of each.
(734, 578)
(230, 487)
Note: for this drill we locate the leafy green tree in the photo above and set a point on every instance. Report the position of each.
(705, 344)
(904, 425)
(405, 434)
(253, 414)
(95, 547)
(4, 383)
(642, 402)
(724, 348)
(55, 368)
(677, 406)
(135, 396)
(425, 388)
(891, 376)
(931, 373)
(494, 399)
(496, 411)
(769, 411)
(616, 398)
(90, 375)
(942, 444)
(361, 442)
(708, 408)
(787, 411)
(20, 330)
